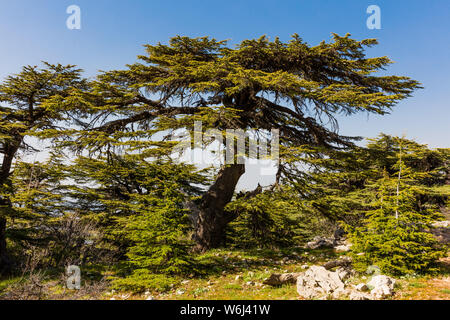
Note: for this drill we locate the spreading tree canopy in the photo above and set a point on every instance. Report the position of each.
(403, 196)
(27, 109)
(258, 84)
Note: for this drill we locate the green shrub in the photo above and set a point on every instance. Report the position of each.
(142, 279)
(159, 240)
(395, 236)
(270, 219)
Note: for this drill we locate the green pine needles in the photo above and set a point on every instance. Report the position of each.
(395, 232)
(115, 191)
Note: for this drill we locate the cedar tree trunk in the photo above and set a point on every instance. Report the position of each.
(212, 219)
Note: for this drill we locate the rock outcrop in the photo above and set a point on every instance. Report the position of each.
(343, 248)
(336, 242)
(317, 281)
(382, 286)
(278, 279)
(344, 262)
(320, 243)
(356, 295)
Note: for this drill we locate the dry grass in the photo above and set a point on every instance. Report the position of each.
(233, 281)
(427, 288)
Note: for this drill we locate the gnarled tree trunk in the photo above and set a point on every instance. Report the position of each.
(10, 150)
(5, 263)
(212, 219)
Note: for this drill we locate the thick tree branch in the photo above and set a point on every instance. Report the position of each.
(116, 125)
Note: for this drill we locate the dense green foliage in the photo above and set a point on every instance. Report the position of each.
(142, 208)
(273, 218)
(407, 195)
(27, 110)
(395, 237)
(114, 192)
(258, 85)
(387, 194)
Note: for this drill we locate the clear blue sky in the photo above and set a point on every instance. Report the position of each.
(415, 34)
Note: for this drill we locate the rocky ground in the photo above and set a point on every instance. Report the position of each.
(289, 280)
(294, 274)
(320, 270)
